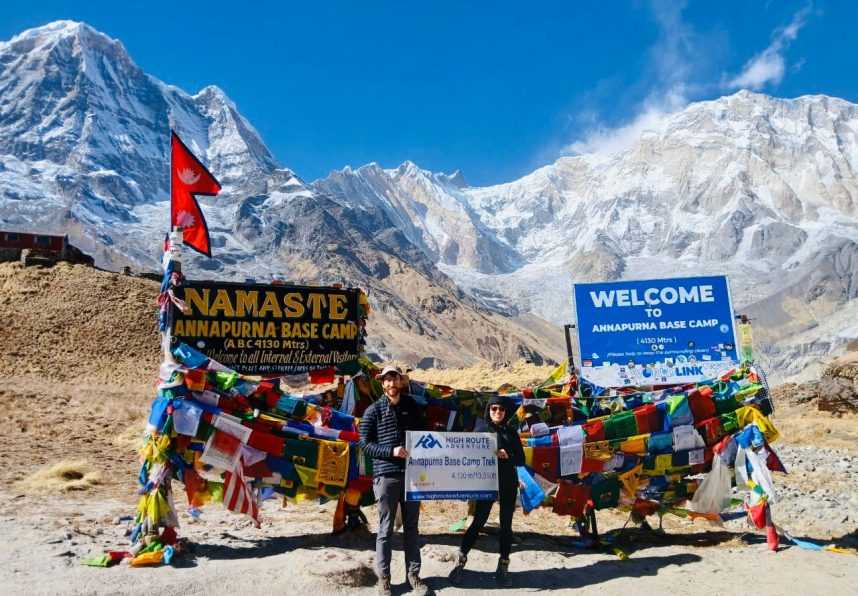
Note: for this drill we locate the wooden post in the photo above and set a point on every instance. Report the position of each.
(175, 252)
(570, 356)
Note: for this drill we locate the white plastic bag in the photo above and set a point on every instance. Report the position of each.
(715, 493)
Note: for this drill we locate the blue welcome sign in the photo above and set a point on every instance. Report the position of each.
(655, 332)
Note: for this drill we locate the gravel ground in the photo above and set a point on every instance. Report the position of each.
(818, 497)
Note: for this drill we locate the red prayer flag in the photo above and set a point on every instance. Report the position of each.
(190, 178)
(323, 376)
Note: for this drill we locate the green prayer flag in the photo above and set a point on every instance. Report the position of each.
(225, 380)
(103, 561)
(457, 526)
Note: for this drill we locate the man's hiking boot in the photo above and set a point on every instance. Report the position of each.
(383, 588)
(418, 588)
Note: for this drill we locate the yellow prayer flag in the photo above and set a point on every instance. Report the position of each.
(154, 506)
(632, 480)
(557, 375)
(333, 463)
(600, 450)
(306, 493)
(749, 415)
(307, 475)
(155, 557)
(634, 445)
(663, 462)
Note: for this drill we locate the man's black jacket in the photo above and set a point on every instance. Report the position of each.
(383, 427)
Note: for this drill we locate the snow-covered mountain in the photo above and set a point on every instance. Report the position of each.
(432, 210)
(84, 150)
(85, 134)
(759, 188)
(762, 189)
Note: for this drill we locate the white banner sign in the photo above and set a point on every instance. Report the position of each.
(451, 466)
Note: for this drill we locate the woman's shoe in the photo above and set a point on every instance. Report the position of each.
(502, 573)
(459, 569)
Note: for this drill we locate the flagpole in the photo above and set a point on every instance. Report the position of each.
(175, 266)
(170, 179)
(570, 354)
(175, 257)
(176, 243)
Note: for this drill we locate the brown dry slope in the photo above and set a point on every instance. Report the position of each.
(78, 363)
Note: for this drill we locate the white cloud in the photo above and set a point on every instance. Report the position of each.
(769, 65)
(672, 52)
(652, 118)
(671, 61)
(677, 61)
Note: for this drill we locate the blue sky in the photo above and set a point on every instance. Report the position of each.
(495, 89)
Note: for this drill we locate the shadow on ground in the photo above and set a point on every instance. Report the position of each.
(233, 546)
(556, 578)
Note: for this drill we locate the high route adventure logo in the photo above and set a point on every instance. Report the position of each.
(428, 442)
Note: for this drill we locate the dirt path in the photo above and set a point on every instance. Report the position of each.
(46, 538)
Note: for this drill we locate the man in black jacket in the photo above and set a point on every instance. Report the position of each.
(382, 436)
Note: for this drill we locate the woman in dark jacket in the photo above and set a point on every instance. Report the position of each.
(510, 454)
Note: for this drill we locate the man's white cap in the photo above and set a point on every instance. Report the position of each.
(389, 369)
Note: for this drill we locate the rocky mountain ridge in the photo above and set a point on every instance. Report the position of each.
(85, 134)
(759, 188)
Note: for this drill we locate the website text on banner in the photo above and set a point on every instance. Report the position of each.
(655, 332)
(451, 466)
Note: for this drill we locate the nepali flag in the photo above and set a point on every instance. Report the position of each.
(190, 178)
(238, 496)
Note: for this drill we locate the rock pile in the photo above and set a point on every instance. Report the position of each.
(838, 388)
